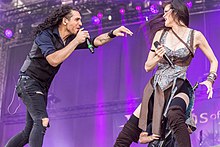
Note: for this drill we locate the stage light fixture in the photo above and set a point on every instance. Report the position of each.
(122, 11)
(138, 7)
(109, 17)
(95, 20)
(154, 8)
(100, 15)
(189, 4)
(8, 33)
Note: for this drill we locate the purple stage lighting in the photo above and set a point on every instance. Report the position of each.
(138, 8)
(122, 11)
(95, 20)
(160, 3)
(100, 15)
(8, 33)
(189, 4)
(154, 8)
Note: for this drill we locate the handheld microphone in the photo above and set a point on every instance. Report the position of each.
(156, 44)
(90, 46)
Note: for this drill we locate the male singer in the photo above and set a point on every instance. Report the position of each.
(55, 40)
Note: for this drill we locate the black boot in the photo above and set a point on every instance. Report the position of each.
(176, 121)
(130, 133)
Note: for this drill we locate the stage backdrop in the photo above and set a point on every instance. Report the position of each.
(92, 96)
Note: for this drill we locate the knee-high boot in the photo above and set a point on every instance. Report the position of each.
(176, 121)
(130, 133)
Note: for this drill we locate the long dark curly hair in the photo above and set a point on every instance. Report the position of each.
(55, 18)
(181, 14)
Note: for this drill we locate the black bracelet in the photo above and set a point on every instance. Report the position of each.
(212, 77)
(210, 80)
(111, 35)
(152, 50)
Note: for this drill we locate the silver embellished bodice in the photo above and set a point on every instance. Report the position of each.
(165, 74)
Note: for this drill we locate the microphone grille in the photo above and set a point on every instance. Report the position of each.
(156, 44)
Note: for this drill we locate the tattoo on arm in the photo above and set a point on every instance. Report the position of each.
(104, 39)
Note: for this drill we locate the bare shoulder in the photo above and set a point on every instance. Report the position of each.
(198, 35)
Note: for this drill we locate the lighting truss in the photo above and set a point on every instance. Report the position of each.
(26, 17)
(88, 110)
(108, 108)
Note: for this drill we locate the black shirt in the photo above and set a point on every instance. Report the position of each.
(46, 43)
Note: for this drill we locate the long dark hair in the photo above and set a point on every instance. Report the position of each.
(55, 18)
(180, 12)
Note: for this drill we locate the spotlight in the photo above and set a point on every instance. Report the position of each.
(95, 20)
(160, 3)
(146, 3)
(100, 15)
(138, 8)
(122, 11)
(8, 33)
(189, 4)
(20, 31)
(154, 8)
(109, 17)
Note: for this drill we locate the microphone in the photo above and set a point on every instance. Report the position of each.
(90, 46)
(156, 44)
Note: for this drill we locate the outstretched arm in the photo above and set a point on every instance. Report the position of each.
(202, 43)
(105, 38)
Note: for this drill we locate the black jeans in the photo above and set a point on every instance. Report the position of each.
(34, 97)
